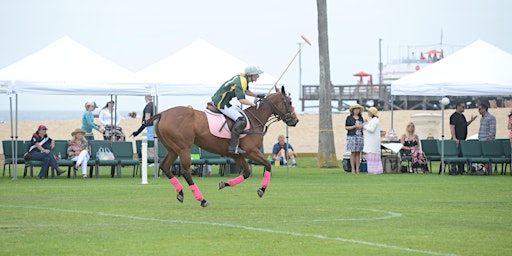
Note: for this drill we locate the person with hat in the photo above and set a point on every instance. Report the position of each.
(354, 125)
(237, 86)
(372, 142)
(40, 149)
(78, 150)
(88, 121)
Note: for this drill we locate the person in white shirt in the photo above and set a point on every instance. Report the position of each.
(109, 118)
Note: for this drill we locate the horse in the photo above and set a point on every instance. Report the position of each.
(178, 128)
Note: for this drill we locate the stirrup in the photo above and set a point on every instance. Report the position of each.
(238, 151)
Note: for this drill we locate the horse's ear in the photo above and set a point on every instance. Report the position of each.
(282, 90)
(277, 90)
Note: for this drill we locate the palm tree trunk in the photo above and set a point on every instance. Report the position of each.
(326, 148)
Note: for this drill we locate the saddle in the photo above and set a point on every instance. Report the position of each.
(219, 125)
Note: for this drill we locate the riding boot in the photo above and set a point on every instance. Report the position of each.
(238, 128)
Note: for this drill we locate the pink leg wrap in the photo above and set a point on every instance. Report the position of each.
(197, 193)
(266, 179)
(176, 183)
(236, 181)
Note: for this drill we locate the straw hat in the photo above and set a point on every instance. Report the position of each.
(356, 106)
(77, 130)
(374, 111)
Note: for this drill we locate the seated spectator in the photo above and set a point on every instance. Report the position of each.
(278, 152)
(40, 149)
(411, 147)
(78, 150)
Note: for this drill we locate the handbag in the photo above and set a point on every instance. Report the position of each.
(104, 153)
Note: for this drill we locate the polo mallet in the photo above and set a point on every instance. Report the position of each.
(294, 57)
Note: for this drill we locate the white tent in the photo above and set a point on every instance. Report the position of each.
(67, 67)
(477, 69)
(198, 69)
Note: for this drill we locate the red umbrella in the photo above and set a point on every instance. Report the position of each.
(361, 74)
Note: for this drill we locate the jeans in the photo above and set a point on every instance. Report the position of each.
(151, 132)
(48, 160)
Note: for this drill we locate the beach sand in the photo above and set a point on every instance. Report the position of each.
(303, 137)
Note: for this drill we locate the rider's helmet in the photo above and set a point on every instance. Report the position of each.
(253, 70)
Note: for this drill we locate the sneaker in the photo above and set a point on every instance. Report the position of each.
(151, 165)
(59, 172)
(294, 165)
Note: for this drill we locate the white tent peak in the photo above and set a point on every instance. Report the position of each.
(67, 67)
(198, 69)
(477, 69)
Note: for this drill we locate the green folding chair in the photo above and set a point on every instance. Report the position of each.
(507, 151)
(493, 149)
(7, 146)
(123, 151)
(451, 153)
(472, 151)
(432, 152)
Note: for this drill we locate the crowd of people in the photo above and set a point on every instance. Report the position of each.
(370, 143)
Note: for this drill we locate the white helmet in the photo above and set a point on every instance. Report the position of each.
(253, 70)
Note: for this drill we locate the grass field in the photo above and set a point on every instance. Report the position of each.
(311, 211)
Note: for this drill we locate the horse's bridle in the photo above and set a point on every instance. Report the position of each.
(287, 117)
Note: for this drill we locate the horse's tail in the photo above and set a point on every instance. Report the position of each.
(149, 122)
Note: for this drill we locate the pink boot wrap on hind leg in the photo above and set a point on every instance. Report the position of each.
(236, 181)
(198, 195)
(266, 179)
(176, 183)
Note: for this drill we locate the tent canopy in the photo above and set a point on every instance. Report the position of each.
(477, 69)
(67, 67)
(198, 69)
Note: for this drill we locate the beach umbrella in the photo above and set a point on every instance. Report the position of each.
(361, 74)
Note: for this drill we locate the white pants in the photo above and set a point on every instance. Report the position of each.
(82, 160)
(232, 112)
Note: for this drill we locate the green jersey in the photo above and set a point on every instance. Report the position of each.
(234, 87)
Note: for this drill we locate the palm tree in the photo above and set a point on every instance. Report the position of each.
(326, 148)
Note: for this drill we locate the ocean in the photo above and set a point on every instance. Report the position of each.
(36, 115)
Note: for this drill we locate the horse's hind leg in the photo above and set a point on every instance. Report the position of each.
(165, 166)
(240, 161)
(187, 174)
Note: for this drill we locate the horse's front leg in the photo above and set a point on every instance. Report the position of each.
(240, 161)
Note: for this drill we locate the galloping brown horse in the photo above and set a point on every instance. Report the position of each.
(180, 127)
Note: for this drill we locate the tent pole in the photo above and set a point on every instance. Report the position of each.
(13, 149)
(442, 139)
(15, 173)
(286, 153)
(157, 162)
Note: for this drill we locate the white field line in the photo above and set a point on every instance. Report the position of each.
(235, 226)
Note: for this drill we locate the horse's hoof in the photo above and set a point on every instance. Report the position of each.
(260, 192)
(205, 203)
(180, 197)
(222, 185)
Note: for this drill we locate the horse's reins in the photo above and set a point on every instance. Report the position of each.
(280, 116)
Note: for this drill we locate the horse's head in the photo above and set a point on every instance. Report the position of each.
(282, 107)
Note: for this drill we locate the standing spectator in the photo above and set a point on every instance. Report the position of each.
(109, 120)
(283, 151)
(88, 121)
(147, 113)
(41, 150)
(459, 129)
(487, 129)
(411, 147)
(372, 142)
(354, 125)
(78, 150)
(509, 126)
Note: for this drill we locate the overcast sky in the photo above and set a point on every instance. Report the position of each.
(135, 34)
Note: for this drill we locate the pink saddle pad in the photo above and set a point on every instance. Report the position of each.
(216, 121)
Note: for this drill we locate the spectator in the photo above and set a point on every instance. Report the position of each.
(88, 121)
(278, 152)
(372, 142)
(78, 150)
(509, 126)
(412, 147)
(487, 129)
(110, 120)
(459, 130)
(354, 125)
(41, 150)
(147, 113)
